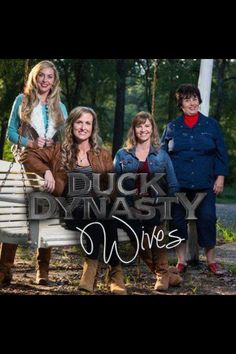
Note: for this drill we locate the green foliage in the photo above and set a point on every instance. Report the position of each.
(92, 82)
(11, 84)
(225, 234)
(7, 155)
(24, 252)
(232, 268)
(228, 196)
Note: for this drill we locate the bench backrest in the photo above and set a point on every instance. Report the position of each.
(13, 209)
(14, 225)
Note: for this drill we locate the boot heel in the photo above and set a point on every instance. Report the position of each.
(116, 280)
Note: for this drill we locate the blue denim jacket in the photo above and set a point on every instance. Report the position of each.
(14, 120)
(198, 154)
(158, 162)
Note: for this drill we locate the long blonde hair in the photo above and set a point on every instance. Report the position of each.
(31, 99)
(141, 118)
(69, 145)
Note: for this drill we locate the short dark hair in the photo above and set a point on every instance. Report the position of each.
(187, 91)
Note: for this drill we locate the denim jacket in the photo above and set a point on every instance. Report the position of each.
(198, 154)
(15, 122)
(158, 162)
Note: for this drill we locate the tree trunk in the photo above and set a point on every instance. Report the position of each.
(204, 85)
(78, 72)
(171, 107)
(120, 106)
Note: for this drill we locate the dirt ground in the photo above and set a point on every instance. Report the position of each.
(66, 269)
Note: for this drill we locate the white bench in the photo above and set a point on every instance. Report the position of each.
(14, 225)
(45, 233)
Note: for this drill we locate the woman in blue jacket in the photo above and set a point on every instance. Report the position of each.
(38, 113)
(142, 154)
(196, 147)
(36, 119)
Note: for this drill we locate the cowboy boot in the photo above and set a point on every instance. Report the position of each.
(174, 278)
(8, 252)
(87, 281)
(42, 266)
(116, 280)
(145, 254)
(160, 260)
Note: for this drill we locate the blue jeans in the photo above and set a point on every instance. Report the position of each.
(206, 214)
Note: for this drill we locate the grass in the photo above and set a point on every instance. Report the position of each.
(232, 268)
(225, 234)
(25, 253)
(229, 267)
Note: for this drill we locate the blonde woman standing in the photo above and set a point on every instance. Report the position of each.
(36, 118)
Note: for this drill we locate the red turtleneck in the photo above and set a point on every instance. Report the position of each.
(190, 121)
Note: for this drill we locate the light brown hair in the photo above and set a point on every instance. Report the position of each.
(31, 99)
(69, 144)
(141, 118)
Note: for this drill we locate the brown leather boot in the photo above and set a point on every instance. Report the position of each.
(162, 282)
(175, 278)
(87, 281)
(42, 266)
(8, 252)
(160, 259)
(116, 280)
(145, 254)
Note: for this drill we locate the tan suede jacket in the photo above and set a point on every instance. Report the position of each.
(49, 158)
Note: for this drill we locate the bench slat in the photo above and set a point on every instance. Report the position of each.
(4, 204)
(15, 176)
(17, 183)
(12, 210)
(12, 199)
(15, 231)
(13, 217)
(4, 166)
(9, 225)
(17, 190)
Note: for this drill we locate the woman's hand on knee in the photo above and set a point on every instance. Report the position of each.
(49, 182)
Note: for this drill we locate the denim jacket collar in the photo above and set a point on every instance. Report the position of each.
(201, 120)
(152, 150)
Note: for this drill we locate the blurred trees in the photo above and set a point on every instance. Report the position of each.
(119, 88)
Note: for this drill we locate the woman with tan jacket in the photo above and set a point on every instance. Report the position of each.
(80, 152)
